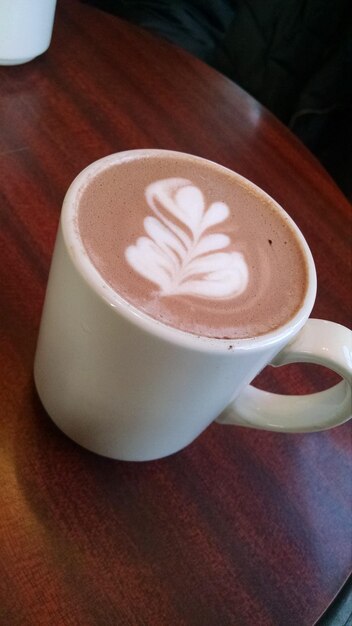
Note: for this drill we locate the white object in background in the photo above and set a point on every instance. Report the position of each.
(25, 29)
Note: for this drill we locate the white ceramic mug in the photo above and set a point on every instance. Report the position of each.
(128, 387)
(25, 29)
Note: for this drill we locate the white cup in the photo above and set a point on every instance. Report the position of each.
(128, 387)
(25, 29)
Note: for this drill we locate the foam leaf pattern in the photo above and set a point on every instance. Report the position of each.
(178, 254)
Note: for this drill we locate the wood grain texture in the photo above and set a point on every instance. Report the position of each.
(242, 527)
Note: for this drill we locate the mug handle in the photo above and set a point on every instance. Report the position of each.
(319, 342)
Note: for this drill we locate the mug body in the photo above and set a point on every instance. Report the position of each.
(122, 384)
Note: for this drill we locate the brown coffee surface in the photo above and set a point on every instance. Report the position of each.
(192, 245)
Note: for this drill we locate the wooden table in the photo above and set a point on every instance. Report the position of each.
(242, 527)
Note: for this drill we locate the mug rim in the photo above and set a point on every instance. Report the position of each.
(80, 259)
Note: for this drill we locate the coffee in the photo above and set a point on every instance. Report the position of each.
(192, 245)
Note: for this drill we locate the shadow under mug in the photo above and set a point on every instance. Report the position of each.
(126, 386)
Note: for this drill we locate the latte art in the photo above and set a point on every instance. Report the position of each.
(180, 254)
(192, 245)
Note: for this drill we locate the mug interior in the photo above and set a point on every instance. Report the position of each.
(90, 274)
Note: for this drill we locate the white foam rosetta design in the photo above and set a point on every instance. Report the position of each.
(179, 255)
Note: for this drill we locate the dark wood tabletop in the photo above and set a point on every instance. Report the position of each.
(242, 527)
